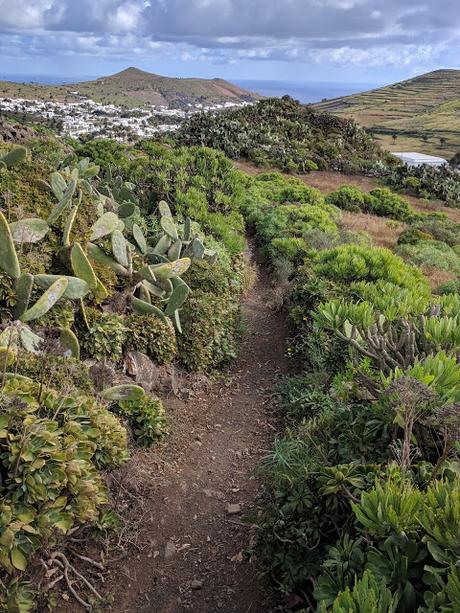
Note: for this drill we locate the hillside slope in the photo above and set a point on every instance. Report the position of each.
(282, 133)
(134, 87)
(423, 112)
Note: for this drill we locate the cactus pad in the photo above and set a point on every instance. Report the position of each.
(9, 262)
(29, 230)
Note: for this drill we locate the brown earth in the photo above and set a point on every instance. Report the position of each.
(192, 499)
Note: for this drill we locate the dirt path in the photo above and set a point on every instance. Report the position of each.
(194, 554)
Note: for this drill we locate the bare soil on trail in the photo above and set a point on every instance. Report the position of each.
(202, 485)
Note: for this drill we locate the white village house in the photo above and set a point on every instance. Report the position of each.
(412, 158)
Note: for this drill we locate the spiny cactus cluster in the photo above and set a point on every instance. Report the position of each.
(19, 334)
(151, 266)
(174, 256)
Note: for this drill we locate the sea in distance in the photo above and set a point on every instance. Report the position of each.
(306, 92)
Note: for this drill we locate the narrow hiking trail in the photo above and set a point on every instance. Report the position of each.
(203, 484)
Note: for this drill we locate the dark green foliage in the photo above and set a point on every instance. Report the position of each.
(210, 324)
(106, 153)
(380, 201)
(367, 596)
(434, 227)
(385, 203)
(146, 417)
(152, 336)
(432, 182)
(300, 399)
(449, 287)
(432, 254)
(106, 336)
(281, 133)
(348, 198)
(412, 236)
(211, 316)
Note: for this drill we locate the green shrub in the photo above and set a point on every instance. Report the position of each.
(106, 336)
(439, 228)
(433, 254)
(146, 417)
(449, 287)
(62, 373)
(368, 596)
(283, 133)
(348, 198)
(349, 263)
(412, 236)
(412, 184)
(50, 450)
(300, 399)
(152, 336)
(210, 324)
(384, 202)
(381, 201)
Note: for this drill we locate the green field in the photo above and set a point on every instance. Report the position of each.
(423, 113)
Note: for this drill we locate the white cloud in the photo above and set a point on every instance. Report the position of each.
(340, 32)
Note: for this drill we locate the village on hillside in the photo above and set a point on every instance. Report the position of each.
(87, 117)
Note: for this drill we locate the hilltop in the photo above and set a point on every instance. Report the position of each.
(282, 133)
(133, 87)
(422, 112)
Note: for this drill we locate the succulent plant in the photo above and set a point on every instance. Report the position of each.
(106, 224)
(46, 301)
(120, 248)
(63, 203)
(123, 392)
(76, 288)
(23, 288)
(30, 230)
(14, 157)
(139, 238)
(9, 262)
(82, 266)
(70, 342)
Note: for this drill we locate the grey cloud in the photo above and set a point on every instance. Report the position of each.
(225, 29)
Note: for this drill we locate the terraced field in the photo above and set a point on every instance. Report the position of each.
(423, 113)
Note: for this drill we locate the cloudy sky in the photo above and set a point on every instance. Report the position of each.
(368, 41)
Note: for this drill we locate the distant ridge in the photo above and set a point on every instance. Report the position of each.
(135, 87)
(422, 112)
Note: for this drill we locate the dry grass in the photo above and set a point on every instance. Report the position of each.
(433, 206)
(437, 277)
(328, 181)
(381, 232)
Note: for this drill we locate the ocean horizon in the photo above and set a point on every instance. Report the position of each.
(306, 91)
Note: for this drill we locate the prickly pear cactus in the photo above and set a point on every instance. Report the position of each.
(14, 157)
(9, 262)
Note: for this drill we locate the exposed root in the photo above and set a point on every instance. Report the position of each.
(68, 572)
